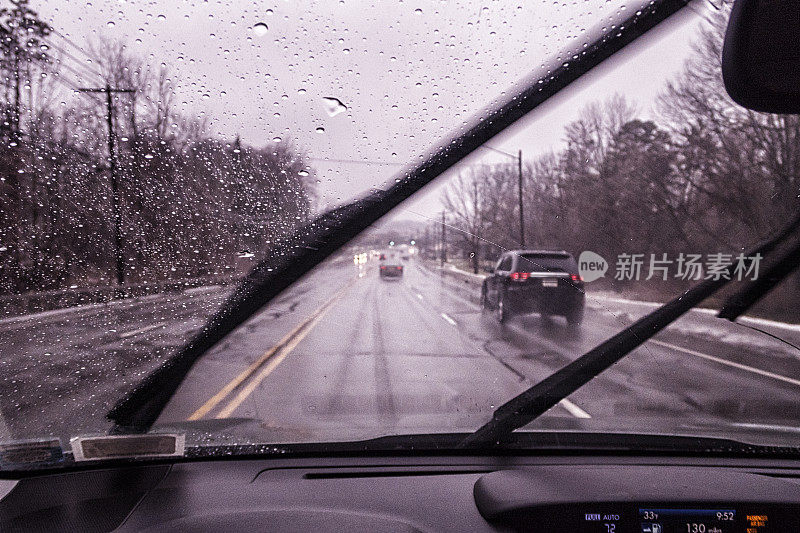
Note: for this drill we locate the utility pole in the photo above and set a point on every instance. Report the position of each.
(16, 128)
(477, 227)
(521, 213)
(518, 157)
(444, 241)
(112, 166)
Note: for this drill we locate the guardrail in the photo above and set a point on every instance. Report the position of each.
(463, 275)
(35, 302)
(460, 279)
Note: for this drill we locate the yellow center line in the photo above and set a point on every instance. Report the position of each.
(236, 382)
(267, 370)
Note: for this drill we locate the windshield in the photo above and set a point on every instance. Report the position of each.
(156, 152)
(544, 262)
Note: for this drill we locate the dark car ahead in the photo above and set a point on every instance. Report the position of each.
(390, 266)
(535, 281)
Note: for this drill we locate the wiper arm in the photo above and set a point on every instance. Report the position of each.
(738, 303)
(535, 401)
(292, 259)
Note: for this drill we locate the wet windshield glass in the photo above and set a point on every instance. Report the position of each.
(539, 262)
(155, 152)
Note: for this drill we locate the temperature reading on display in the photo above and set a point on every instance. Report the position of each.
(687, 520)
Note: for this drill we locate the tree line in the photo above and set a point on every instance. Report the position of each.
(191, 204)
(707, 176)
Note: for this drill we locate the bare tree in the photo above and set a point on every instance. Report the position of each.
(161, 100)
(740, 167)
(463, 199)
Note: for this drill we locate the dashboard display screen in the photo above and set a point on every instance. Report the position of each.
(643, 518)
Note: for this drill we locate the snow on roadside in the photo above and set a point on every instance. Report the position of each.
(703, 323)
(748, 320)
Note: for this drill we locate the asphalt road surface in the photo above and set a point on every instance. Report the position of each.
(345, 355)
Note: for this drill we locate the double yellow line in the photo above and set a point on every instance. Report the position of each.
(265, 364)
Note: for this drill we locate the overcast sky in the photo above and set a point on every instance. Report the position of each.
(408, 72)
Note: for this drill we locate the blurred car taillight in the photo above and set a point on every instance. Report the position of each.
(519, 276)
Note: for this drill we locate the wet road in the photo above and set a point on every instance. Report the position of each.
(345, 355)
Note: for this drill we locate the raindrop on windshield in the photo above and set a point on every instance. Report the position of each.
(333, 106)
(260, 29)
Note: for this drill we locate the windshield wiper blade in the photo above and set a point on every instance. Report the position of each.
(140, 408)
(739, 303)
(535, 401)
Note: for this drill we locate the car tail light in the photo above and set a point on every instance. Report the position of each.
(576, 277)
(383, 267)
(519, 276)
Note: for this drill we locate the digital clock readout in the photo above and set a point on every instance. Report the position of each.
(687, 520)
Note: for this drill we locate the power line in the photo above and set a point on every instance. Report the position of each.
(81, 64)
(487, 147)
(76, 47)
(81, 76)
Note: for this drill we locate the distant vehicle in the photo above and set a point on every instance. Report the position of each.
(535, 281)
(390, 266)
(391, 271)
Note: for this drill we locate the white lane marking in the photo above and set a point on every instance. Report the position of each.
(5, 431)
(773, 427)
(127, 334)
(52, 313)
(449, 320)
(703, 310)
(573, 409)
(763, 322)
(419, 296)
(203, 289)
(728, 363)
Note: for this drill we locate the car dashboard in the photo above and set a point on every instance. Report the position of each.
(607, 494)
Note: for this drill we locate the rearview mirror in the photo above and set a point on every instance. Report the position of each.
(761, 55)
